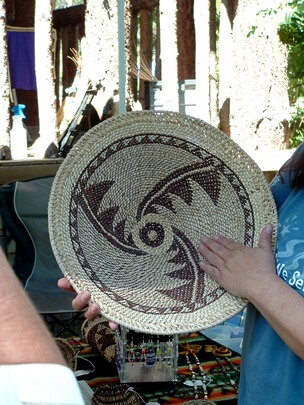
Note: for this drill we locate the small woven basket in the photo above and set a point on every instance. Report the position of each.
(68, 353)
(115, 394)
(101, 337)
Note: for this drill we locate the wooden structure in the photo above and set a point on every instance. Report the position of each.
(69, 29)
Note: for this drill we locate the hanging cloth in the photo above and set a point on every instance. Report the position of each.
(21, 58)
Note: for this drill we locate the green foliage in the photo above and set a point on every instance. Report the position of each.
(297, 124)
(291, 33)
(67, 3)
(267, 12)
(252, 30)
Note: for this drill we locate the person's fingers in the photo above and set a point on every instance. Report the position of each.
(221, 243)
(265, 240)
(65, 284)
(210, 270)
(113, 325)
(93, 311)
(81, 301)
(212, 251)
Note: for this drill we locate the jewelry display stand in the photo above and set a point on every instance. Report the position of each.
(210, 375)
(146, 358)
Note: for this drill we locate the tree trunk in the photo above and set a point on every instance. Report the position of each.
(227, 14)
(100, 55)
(185, 40)
(4, 85)
(157, 72)
(130, 97)
(202, 39)
(259, 99)
(44, 66)
(168, 46)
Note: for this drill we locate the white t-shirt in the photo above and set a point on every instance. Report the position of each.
(38, 384)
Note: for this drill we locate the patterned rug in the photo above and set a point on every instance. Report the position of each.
(213, 365)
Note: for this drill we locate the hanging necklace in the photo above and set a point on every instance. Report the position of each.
(202, 373)
(220, 353)
(196, 400)
(193, 376)
(233, 366)
(227, 374)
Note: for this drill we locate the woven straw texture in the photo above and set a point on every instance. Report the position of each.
(68, 352)
(100, 336)
(116, 394)
(128, 208)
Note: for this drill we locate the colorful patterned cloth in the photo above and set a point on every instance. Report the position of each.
(220, 366)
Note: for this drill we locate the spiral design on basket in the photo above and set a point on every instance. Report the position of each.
(156, 223)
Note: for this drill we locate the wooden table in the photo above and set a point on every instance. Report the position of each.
(12, 170)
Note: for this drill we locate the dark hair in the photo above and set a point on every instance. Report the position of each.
(296, 165)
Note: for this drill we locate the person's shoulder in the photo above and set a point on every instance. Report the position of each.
(300, 147)
(280, 187)
(297, 153)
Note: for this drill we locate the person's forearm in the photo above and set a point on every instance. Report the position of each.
(23, 335)
(283, 308)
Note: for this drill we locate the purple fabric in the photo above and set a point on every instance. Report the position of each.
(21, 57)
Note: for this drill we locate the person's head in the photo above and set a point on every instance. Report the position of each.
(296, 165)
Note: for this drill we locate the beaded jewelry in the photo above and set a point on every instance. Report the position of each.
(193, 377)
(227, 374)
(224, 352)
(131, 354)
(233, 366)
(195, 384)
(201, 371)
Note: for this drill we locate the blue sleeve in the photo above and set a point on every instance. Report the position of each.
(280, 189)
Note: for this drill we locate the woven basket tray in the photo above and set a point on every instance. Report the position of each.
(129, 206)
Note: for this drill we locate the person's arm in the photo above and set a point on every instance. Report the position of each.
(32, 368)
(23, 335)
(250, 273)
